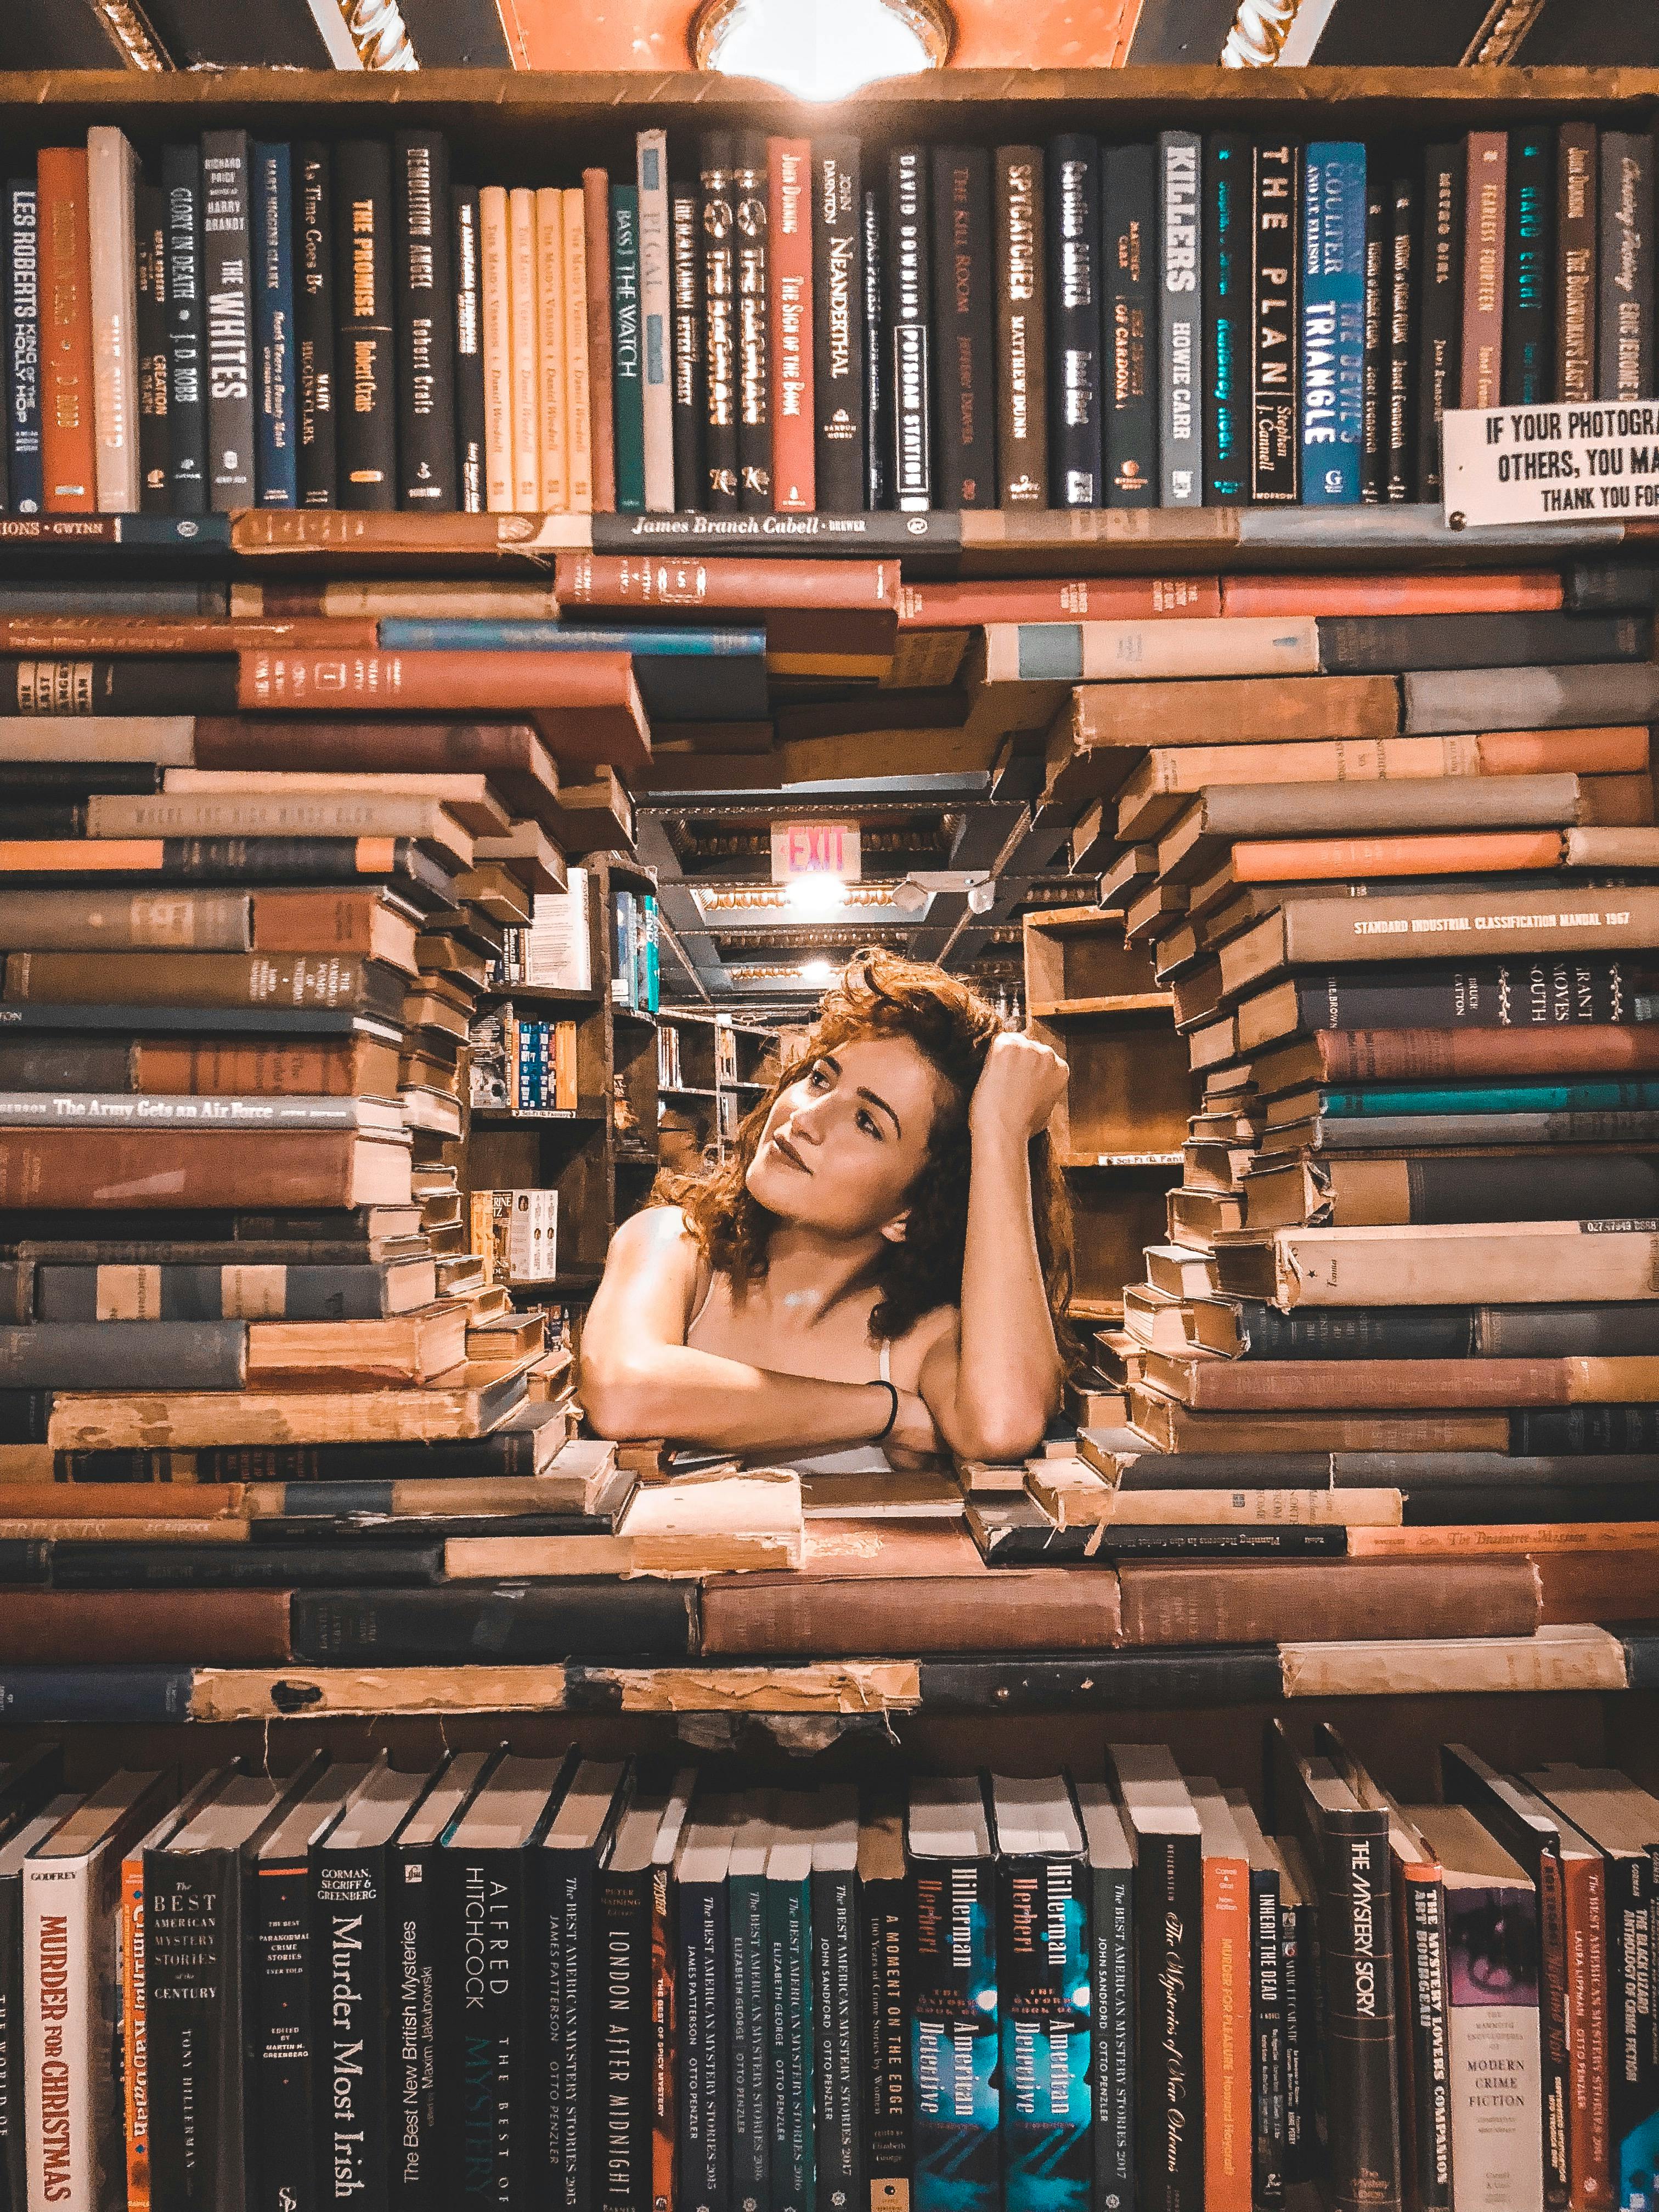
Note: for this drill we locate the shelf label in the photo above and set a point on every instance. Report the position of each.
(816, 848)
(1596, 461)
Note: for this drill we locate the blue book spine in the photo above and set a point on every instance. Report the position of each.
(469, 636)
(1520, 1098)
(791, 2164)
(955, 2039)
(1047, 2105)
(1333, 321)
(53, 1697)
(627, 370)
(1227, 303)
(24, 355)
(187, 331)
(276, 458)
(651, 981)
(1181, 333)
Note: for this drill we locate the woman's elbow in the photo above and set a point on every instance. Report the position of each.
(617, 1400)
(1003, 1434)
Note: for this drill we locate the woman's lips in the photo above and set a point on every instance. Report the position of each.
(781, 1143)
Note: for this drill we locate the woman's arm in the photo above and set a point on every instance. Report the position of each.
(641, 1378)
(991, 1390)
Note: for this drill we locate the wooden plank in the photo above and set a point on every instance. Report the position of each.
(824, 1686)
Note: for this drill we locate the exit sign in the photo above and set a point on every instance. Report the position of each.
(815, 848)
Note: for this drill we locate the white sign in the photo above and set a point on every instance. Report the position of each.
(816, 848)
(1595, 460)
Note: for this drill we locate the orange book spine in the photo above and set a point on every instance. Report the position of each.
(1589, 2163)
(62, 635)
(1532, 1538)
(553, 437)
(121, 1501)
(577, 406)
(524, 310)
(135, 2050)
(1503, 592)
(82, 856)
(210, 1069)
(365, 683)
(692, 586)
(309, 920)
(1225, 1971)
(1570, 752)
(789, 284)
(495, 310)
(1058, 598)
(69, 445)
(1343, 860)
(596, 233)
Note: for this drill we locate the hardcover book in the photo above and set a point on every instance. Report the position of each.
(955, 2027)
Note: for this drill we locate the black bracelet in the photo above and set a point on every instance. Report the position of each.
(886, 1428)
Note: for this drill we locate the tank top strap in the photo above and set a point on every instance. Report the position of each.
(885, 1369)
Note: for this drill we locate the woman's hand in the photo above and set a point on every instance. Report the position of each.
(913, 1437)
(1019, 1086)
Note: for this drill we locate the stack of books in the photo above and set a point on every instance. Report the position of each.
(1409, 914)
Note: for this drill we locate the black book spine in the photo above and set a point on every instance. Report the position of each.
(887, 1971)
(1129, 252)
(22, 356)
(1426, 2125)
(705, 1991)
(470, 420)
(909, 316)
(425, 289)
(1528, 261)
(1546, 994)
(1398, 475)
(1075, 320)
(284, 2170)
(1374, 417)
(134, 685)
(574, 2006)
(1112, 1975)
(1297, 1974)
(1169, 1910)
(621, 2041)
(362, 261)
(838, 2078)
(485, 2043)
(1440, 314)
(1576, 1432)
(745, 1907)
(1358, 645)
(14, 2163)
(1356, 1946)
(1578, 166)
(150, 219)
(187, 427)
(349, 1966)
(751, 204)
(690, 398)
(1357, 1332)
(24, 1415)
(1021, 288)
(877, 397)
(545, 1622)
(227, 281)
(1624, 350)
(964, 329)
(314, 321)
(1268, 2042)
(1276, 444)
(719, 309)
(193, 2031)
(1224, 229)
(414, 2178)
(838, 325)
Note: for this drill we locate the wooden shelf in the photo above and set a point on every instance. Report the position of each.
(1095, 1010)
(593, 1110)
(551, 995)
(633, 1014)
(689, 1090)
(1084, 1160)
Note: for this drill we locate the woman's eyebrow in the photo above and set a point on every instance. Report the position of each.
(864, 1093)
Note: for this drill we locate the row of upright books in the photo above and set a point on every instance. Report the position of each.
(517, 1975)
(796, 325)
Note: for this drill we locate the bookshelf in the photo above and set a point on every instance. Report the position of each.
(720, 1065)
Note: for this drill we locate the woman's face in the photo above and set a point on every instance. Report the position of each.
(844, 1142)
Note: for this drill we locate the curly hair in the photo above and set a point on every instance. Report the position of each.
(882, 995)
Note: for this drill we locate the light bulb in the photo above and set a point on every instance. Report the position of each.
(816, 895)
(816, 971)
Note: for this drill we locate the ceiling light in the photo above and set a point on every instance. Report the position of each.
(909, 896)
(816, 894)
(983, 896)
(821, 49)
(816, 971)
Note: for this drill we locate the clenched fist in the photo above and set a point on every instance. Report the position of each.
(1019, 1087)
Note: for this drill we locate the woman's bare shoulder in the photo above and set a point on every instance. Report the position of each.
(657, 1235)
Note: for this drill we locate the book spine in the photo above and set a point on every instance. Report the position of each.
(908, 316)
(1073, 274)
(792, 2051)
(112, 188)
(1623, 345)
(483, 2043)
(1297, 1966)
(367, 433)
(494, 283)
(955, 2037)
(135, 2050)
(1274, 360)
(1589, 2143)
(791, 310)
(1497, 2147)
(201, 1355)
(470, 410)
(601, 394)
(656, 321)
(23, 347)
(151, 270)
(68, 441)
(1180, 345)
(14, 2159)
(1555, 2028)
(754, 370)
(193, 1926)
(525, 356)
(690, 368)
(621, 2073)
(1485, 206)
(1227, 300)
(1022, 435)
(1440, 315)
(1044, 1981)
(838, 330)
(1112, 1993)
(1631, 2020)
(1398, 478)
(1168, 1903)
(1267, 2042)
(425, 286)
(566, 2001)
(627, 378)
(414, 2177)
(314, 321)
(706, 2054)
(552, 392)
(578, 358)
(1528, 332)
(1224, 1953)
(277, 474)
(1356, 1946)
(878, 398)
(67, 2105)
(347, 1960)
(1577, 171)
(228, 286)
(1376, 357)
(838, 2077)
(720, 300)
(1131, 426)
(886, 1968)
(1425, 2117)
(1333, 322)
(284, 2170)
(663, 2178)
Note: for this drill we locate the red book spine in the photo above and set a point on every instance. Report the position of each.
(1057, 598)
(690, 585)
(367, 683)
(68, 443)
(1484, 214)
(789, 265)
(595, 225)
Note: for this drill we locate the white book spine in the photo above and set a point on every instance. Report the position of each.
(61, 1995)
(170, 739)
(551, 381)
(526, 349)
(579, 408)
(111, 185)
(656, 321)
(1496, 2106)
(495, 289)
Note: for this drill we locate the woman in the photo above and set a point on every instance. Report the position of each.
(880, 1261)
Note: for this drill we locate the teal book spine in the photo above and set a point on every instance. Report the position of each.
(1517, 1098)
(1333, 321)
(471, 633)
(747, 2028)
(627, 364)
(792, 2045)
(1046, 2103)
(955, 2074)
